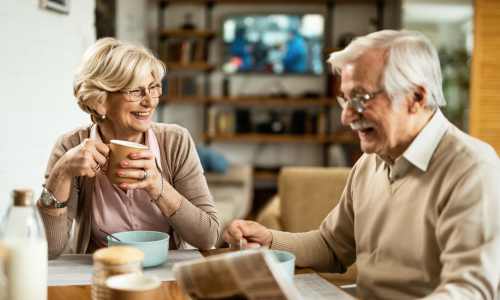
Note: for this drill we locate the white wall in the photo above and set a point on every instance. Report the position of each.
(40, 51)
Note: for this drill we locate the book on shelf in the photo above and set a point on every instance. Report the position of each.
(321, 123)
(182, 86)
(173, 51)
(185, 51)
(225, 122)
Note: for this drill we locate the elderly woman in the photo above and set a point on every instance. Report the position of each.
(118, 84)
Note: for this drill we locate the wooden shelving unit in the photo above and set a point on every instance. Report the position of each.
(343, 137)
(337, 138)
(185, 50)
(223, 116)
(271, 102)
(166, 100)
(195, 66)
(250, 101)
(266, 138)
(187, 34)
(265, 175)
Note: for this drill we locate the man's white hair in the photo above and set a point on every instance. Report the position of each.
(411, 61)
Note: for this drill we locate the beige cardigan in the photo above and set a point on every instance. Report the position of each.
(195, 222)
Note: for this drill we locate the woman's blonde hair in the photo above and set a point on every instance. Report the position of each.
(111, 65)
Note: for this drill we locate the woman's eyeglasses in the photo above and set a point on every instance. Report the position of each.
(357, 102)
(138, 94)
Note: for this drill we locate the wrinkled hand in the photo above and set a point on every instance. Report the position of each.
(135, 167)
(253, 233)
(85, 159)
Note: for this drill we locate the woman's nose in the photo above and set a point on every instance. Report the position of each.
(149, 101)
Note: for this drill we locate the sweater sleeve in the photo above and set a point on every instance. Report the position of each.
(332, 247)
(196, 220)
(468, 232)
(58, 223)
(310, 249)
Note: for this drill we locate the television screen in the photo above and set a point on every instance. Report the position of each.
(273, 44)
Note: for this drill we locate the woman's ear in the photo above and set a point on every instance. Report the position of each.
(101, 107)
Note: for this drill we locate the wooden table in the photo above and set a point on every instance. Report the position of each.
(171, 289)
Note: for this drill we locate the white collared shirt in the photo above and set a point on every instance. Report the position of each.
(420, 151)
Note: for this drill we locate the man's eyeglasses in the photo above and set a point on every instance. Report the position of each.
(138, 94)
(357, 102)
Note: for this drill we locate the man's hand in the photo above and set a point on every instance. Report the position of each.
(252, 232)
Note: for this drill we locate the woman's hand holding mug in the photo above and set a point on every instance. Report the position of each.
(141, 167)
(85, 159)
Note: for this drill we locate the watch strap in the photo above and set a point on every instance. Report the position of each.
(50, 200)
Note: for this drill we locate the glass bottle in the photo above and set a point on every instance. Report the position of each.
(23, 235)
(3, 275)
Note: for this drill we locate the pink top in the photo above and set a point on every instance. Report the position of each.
(115, 210)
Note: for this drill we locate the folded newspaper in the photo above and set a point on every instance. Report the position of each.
(249, 274)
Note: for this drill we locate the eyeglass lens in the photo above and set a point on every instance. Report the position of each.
(153, 91)
(356, 103)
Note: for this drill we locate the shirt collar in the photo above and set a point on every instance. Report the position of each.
(150, 141)
(420, 151)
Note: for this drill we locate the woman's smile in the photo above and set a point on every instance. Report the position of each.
(142, 115)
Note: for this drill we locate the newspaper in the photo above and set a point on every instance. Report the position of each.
(249, 274)
(312, 287)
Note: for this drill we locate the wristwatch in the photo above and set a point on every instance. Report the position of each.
(48, 200)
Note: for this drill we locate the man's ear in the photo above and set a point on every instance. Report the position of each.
(418, 100)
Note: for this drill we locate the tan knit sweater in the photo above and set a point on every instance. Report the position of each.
(433, 233)
(195, 222)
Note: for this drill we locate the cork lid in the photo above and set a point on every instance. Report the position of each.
(118, 255)
(22, 197)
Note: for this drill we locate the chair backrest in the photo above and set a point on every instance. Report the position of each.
(308, 194)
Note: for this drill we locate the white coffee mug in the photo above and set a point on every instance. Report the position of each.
(133, 286)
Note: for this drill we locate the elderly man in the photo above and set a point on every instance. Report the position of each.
(420, 214)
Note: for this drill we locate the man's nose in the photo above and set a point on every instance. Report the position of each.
(348, 116)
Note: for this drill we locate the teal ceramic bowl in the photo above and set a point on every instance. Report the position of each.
(286, 262)
(154, 244)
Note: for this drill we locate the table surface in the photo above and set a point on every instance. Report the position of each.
(170, 289)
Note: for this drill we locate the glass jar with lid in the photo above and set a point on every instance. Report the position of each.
(113, 261)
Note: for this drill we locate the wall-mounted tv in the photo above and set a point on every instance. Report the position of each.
(273, 43)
